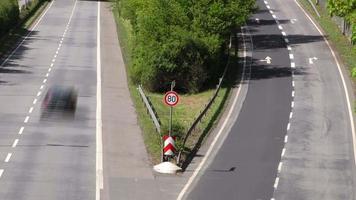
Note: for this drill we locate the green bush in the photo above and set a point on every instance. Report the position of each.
(9, 15)
(180, 40)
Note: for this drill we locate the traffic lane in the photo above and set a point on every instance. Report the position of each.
(21, 75)
(320, 142)
(245, 166)
(71, 144)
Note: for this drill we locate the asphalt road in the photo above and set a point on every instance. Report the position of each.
(50, 158)
(245, 166)
(319, 158)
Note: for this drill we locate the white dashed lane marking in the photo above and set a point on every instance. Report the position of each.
(39, 93)
(283, 152)
(15, 143)
(1, 172)
(276, 182)
(44, 80)
(31, 109)
(21, 130)
(292, 64)
(291, 56)
(280, 166)
(34, 101)
(26, 119)
(7, 159)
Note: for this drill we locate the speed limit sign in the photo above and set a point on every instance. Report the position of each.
(171, 98)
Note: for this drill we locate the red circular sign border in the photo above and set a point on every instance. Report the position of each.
(171, 92)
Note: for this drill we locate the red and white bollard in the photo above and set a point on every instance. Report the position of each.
(169, 149)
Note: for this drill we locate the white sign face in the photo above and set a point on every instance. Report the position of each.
(171, 98)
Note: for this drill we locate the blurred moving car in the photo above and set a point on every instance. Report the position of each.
(60, 99)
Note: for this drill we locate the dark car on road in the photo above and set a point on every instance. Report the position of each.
(60, 99)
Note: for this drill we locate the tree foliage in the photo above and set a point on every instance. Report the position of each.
(180, 40)
(9, 15)
(346, 9)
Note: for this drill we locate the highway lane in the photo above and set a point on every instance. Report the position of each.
(50, 158)
(319, 159)
(245, 167)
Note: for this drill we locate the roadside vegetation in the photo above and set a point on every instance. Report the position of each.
(15, 22)
(185, 41)
(9, 15)
(180, 40)
(347, 10)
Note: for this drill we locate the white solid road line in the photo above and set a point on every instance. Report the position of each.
(342, 78)
(16, 141)
(213, 143)
(7, 159)
(99, 140)
(21, 130)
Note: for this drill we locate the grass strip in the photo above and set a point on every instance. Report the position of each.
(183, 114)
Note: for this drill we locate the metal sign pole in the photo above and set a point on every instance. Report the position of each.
(171, 111)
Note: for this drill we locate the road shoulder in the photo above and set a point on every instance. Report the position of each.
(127, 170)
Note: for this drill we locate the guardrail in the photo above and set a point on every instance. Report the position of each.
(153, 116)
(206, 108)
(150, 110)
